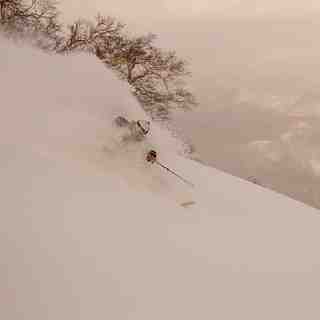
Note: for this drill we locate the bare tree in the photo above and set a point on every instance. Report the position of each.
(155, 76)
(99, 37)
(38, 17)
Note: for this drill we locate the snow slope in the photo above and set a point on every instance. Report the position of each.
(90, 231)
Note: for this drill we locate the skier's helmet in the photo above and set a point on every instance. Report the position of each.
(151, 156)
(144, 126)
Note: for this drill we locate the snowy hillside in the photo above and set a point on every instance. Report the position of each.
(89, 230)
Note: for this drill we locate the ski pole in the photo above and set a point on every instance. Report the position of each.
(184, 180)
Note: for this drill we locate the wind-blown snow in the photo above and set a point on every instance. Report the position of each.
(90, 231)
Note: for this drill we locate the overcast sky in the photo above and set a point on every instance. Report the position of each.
(170, 8)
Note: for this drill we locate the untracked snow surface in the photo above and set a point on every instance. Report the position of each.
(89, 230)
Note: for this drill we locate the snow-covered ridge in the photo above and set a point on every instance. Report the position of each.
(89, 230)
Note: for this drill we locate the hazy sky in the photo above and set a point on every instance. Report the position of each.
(166, 8)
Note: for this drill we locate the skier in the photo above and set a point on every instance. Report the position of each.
(137, 129)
